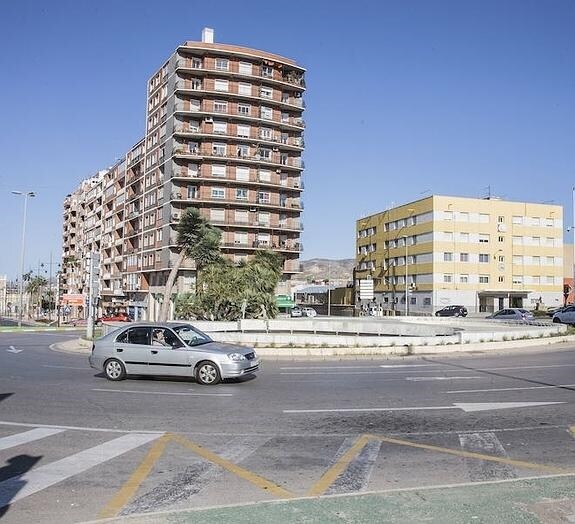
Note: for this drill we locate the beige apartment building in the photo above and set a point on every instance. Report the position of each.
(224, 134)
(485, 254)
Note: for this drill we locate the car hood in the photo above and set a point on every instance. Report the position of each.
(224, 348)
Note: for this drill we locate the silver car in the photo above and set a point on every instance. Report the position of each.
(512, 313)
(565, 316)
(170, 349)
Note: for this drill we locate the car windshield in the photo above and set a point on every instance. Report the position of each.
(191, 336)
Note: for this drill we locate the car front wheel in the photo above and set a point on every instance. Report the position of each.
(114, 370)
(208, 374)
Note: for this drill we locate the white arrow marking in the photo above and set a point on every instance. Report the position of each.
(425, 379)
(467, 407)
(14, 350)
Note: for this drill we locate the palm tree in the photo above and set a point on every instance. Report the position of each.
(198, 240)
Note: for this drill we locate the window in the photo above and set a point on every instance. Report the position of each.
(267, 71)
(448, 257)
(266, 113)
(517, 240)
(218, 192)
(464, 237)
(219, 149)
(500, 279)
(447, 278)
(241, 193)
(536, 221)
(263, 197)
(241, 216)
(549, 279)
(517, 220)
(448, 236)
(265, 154)
(243, 109)
(266, 92)
(218, 170)
(264, 218)
(483, 238)
(463, 279)
(463, 216)
(242, 173)
(245, 68)
(448, 215)
(265, 175)
(517, 260)
(500, 219)
(463, 257)
(220, 127)
(427, 301)
(536, 260)
(263, 239)
(484, 279)
(241, 238)
(137, 335)
(217, 215)
(536, 280)
(220, 106)
(222, 64)
(517, 279)
(266, 133)
(500, 239)
(245, 89)
(483, 258)
(243, 131)
(221, 85)
(549, 222)
(550, 261)
(483, 218)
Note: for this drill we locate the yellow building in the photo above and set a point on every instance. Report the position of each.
(484, 254)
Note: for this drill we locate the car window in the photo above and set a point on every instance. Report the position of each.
(191, 336)
(165, 338)
(136, 335)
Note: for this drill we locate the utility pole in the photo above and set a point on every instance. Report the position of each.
(328, 288)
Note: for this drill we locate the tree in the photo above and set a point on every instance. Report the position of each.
(197, 240)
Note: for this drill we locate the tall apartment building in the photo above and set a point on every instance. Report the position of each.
(224, 134)
(485, 254)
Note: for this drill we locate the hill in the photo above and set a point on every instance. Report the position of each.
(324, 268)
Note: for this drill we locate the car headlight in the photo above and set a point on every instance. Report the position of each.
(236, 357)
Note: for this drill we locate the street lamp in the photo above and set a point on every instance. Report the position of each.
(26, 195)
(406, 273)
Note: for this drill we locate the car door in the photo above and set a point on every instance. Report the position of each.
(170, 357)
(132, 346)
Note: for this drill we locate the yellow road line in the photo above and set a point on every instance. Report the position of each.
(330, 476)
(255, 479)
(128, 490)
(470, 454)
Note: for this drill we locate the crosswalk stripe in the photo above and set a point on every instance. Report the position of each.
(16, 488)
(11, 441)
(483, 470)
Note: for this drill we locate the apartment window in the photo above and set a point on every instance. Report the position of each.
(285, 117)
(265, 175)
(266, 113)
(500, 239)
(517, 240)
(483, 238)
(517, 279)
(536, 241)
(218, 192)
(221, 85)
(549, 222)
(447, 278)
(243, 150)
(245, 89)
(242, 173)
(550, 261)
(448, 215)
(193, 192)
(242, 217)
(517, 260)
(549, 279)
(550, 241)
(243, 131)
(263, 197)
(448, 257)
(463, 279)
(245, 68)
(463, 216)
(243, 109)
(500, 219)
(266, 92)
(266, 133)
(448, 236)
(222, 64)
(219, 149)
(484, 279)
(427, 301)
(263, 239)
(218, 170)
(220, 106)
(536, 260)
(517, 220)
(483, 218)
(536, 280)
(464, 237)
(267, 71)
(463, 257)
(264, 218)
(217, 215)
(265, 154)
(220, 127)
(241, 238)
(483, 258)
(241, 193)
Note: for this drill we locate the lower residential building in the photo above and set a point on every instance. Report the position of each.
(485, 254)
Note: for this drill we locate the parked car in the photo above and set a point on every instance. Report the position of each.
(452, 311)
(565, 316)
(512, 313)
(551, 312)
(116, 317)
(296, 312)
(309, 312)
(75, 322)
(160, 349)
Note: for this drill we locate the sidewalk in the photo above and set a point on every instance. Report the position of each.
(532, 500)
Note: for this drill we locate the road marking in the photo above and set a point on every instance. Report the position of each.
(482, 470)
(21, 486)
(428, 379)
(389, 366)
(329, 477)
(164, 393)
(12, 441)
(14, 350)
(79, 428)
(129, 489)
(255, 479)
(465, 406)
(510, 389)
(471, 454)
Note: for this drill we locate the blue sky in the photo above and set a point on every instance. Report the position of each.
(404, 98)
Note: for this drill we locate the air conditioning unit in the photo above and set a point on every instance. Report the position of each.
(208, 119)
(253, 209)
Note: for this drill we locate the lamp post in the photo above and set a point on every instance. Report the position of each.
(406, 273)
(26, 195)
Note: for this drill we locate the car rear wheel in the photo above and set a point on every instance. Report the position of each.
(208, 374)
(556, 320)
(114, 370)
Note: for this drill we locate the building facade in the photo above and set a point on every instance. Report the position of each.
(224, 134)
(485, 254)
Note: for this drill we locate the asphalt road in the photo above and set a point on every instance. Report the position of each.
(74, 446)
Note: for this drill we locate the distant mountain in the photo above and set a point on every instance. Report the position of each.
(317, 269)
